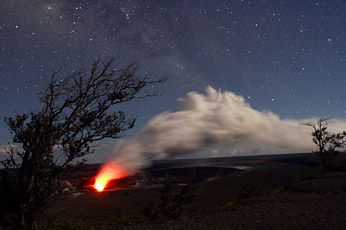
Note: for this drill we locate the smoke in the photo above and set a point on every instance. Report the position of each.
(221, 118)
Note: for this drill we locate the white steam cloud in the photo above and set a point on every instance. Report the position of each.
(221, 118)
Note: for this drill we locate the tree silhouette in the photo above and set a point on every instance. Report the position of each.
(327, 143)
(74, 112)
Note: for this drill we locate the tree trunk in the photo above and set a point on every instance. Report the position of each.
(25, 220)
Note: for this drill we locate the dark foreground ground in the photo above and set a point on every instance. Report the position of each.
(263, 192)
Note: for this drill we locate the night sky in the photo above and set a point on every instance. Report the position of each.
(288, 57)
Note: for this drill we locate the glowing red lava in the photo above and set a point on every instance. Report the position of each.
(107, 173)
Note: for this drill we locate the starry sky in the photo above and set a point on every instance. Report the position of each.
(288, 56)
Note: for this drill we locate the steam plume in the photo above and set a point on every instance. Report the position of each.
(214, 118)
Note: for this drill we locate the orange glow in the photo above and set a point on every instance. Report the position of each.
(107, 173)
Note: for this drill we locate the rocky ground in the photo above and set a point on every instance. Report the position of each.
(287, 192)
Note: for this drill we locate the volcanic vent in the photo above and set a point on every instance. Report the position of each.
(152, 177)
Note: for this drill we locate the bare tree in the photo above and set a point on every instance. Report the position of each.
(74, 113)
(327, 143)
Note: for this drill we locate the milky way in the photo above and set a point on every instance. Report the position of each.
(287, 57)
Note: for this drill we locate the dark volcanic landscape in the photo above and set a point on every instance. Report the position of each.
(254, 192)
(196, 170)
